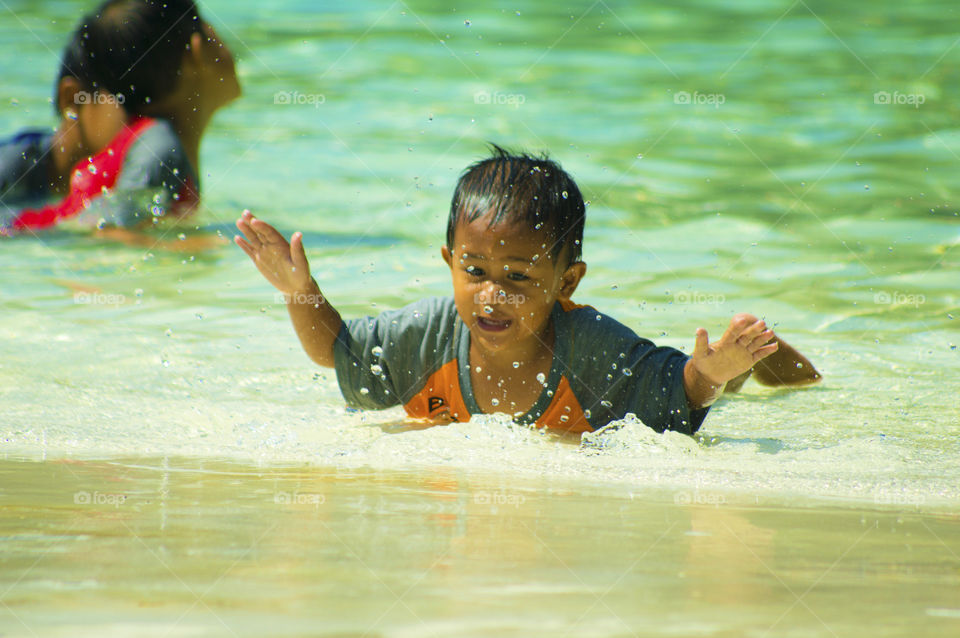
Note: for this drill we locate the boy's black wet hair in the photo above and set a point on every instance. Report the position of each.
(132, 48)
(521, 188)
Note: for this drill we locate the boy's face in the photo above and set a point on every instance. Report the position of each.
(505, 284)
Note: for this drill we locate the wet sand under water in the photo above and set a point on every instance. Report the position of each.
(191, 547)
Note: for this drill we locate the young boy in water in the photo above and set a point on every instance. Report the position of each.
(510, 339)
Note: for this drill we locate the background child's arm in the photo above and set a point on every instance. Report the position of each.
(785, 367)
(285, 266)
(194, 243)
(746, 342)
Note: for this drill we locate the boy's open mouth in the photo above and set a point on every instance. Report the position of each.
(493, 325)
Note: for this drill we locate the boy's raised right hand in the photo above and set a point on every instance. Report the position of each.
(283, 264)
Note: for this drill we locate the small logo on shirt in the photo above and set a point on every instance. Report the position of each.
(434, 403)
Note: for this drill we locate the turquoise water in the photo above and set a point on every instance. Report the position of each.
(736, 158)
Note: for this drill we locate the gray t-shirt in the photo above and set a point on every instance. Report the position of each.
(418, 357)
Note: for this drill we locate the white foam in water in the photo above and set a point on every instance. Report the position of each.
(874, 468)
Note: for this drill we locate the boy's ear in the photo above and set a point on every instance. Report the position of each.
(571, 279)
(447, 257)
(195, 52)
(67, 91)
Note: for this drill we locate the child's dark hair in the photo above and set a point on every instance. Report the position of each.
(524, 189)
(132, 48)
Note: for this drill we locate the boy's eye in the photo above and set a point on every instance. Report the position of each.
(517, 276)
(473, 271)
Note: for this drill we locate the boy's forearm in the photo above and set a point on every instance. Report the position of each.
(316, 323)
(701, 392)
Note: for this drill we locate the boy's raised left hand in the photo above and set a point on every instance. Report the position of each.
(745, 342)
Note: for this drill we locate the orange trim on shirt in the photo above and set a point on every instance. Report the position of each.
(569, 305)
(564, 412)
(440, 397)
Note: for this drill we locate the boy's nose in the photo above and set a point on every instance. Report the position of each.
(491, 291)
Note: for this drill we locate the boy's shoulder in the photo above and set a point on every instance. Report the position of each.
(427, 315)
(425, 308)
(585, 321)
(406, 345)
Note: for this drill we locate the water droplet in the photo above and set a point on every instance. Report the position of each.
(866, 187)
(466, 23)
(376, 351)
(564, 418)
(364, 391)
(494, 402)
(564, 194)
(606, 404)
(376, 369)
(587, 413)
(477, 369)
(92, 168)
(516, 364)
(799, 365)
(487, 309)
(627, 372)
(542, 378)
